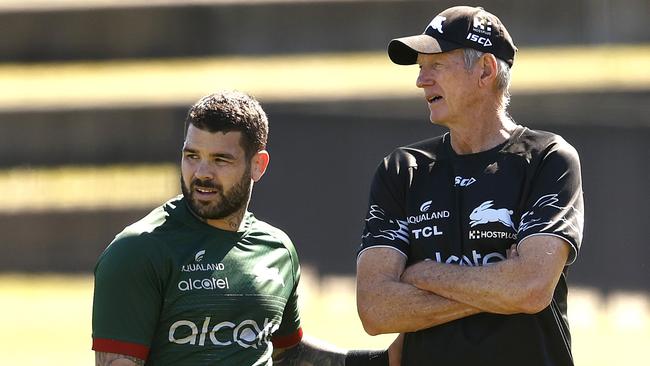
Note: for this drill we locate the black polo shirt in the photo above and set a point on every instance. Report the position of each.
(427, 202)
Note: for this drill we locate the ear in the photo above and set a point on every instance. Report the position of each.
(489, 68)
(487, 204)
(259, 163)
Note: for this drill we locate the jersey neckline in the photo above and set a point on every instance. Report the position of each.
(185, 215)
(519, 130)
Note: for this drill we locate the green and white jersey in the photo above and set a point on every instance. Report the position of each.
(173, 290)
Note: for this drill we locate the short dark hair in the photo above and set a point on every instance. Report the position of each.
(227, 111)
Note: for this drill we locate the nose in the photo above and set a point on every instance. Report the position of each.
(203, 171)
(424, 78)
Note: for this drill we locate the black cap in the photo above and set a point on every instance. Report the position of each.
(457, 27)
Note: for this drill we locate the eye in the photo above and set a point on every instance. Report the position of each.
(222, 161)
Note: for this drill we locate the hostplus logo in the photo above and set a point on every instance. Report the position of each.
(485, 214)
(482, 24)
(482, 30)
(248, 333)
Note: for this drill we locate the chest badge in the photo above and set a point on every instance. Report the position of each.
(484, 214)
(263, 273)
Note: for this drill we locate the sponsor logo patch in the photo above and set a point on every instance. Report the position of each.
(463, 182)
(204, 284)
(246, 334)
(476, 259)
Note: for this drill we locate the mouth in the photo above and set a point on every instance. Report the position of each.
(434, 98)
(205, 192)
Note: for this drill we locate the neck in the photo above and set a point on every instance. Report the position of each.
(234, 222)
(481, 133)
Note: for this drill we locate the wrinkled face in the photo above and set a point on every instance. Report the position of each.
(449, 89)
(215, 173)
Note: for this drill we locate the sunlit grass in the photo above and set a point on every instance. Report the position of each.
(46, 320)
(297, 77)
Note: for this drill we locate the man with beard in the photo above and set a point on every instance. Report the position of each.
(200, 280)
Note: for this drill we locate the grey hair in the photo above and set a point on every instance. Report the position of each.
(471, 56)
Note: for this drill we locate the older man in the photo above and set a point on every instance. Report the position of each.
(468, 235)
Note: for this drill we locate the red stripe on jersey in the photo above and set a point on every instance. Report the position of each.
(121, 348)
(288, 340)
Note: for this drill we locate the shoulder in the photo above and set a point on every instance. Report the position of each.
(420, 153)
(540, 144)
(271, 234)
(274, 238)
(140, 242)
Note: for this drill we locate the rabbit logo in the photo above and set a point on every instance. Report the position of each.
(264, 273)
(398, 228)
(436, 23)
(484, 214)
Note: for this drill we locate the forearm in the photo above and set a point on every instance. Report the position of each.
(491, 288)
(396, 307)
(521, 284)
(114, 359)
(310, 352)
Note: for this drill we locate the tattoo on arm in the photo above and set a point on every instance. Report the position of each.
(307, 353)
(114, 359)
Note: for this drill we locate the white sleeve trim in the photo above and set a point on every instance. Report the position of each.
(573, 247)
(381, 246)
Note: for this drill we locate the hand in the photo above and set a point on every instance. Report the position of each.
(395, 351)
(412, 273)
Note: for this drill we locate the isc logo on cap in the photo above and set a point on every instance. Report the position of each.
(480, 40)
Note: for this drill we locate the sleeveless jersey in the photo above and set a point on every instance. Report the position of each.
(430, 203)
(175, 291)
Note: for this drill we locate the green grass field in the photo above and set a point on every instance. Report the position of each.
(46, 320)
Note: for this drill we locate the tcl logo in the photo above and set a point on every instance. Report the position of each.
(246, 334)
(480, 40)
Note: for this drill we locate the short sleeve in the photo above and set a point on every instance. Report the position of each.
(127, 299)
(555, 202)
(289, 333)
(385, 224)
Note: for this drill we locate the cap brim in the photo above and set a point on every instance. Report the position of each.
(405, 50)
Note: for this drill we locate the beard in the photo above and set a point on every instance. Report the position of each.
(224, 204)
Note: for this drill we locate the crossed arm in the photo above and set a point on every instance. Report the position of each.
(395, 299)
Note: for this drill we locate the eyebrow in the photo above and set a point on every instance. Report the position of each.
(214, 155)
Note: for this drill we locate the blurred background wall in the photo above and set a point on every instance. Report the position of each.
(95, 92)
